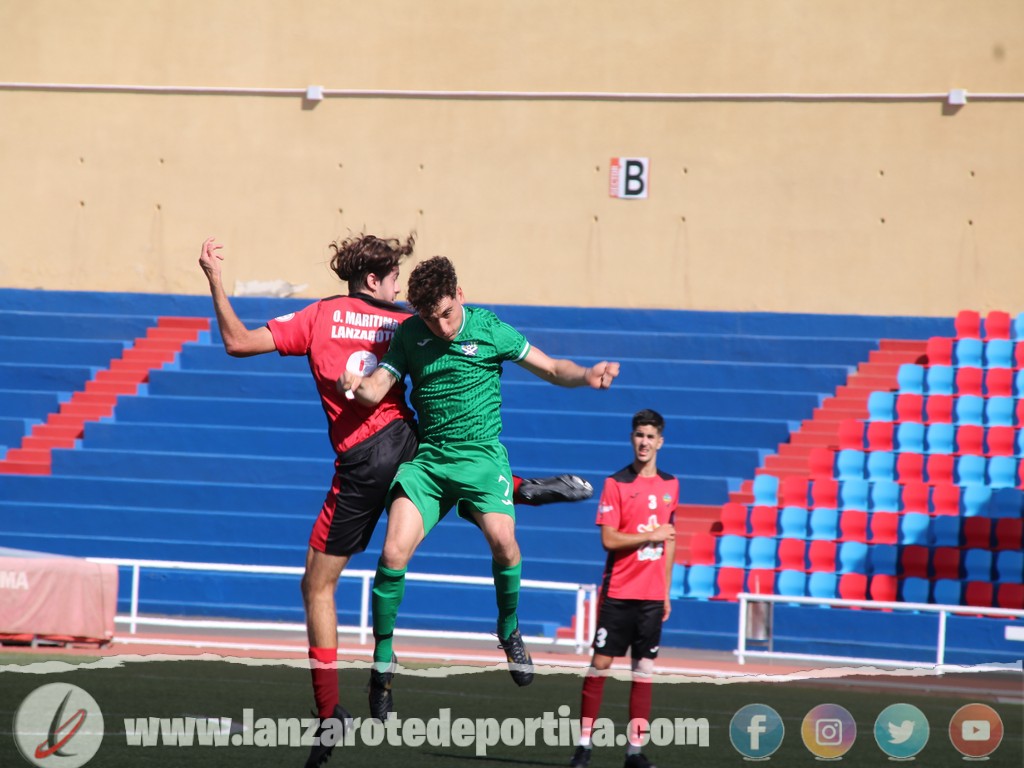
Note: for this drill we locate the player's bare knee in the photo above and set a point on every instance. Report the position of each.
(643, 669)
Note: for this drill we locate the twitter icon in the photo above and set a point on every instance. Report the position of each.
(901, 731)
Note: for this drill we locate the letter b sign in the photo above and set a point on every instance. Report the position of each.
(628, 177)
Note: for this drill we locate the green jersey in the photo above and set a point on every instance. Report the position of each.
(456, 385)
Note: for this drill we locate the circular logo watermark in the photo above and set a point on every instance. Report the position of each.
(58, 726)
(828, 731)
(756, 731)
(901, 731)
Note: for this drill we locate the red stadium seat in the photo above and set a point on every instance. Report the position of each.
(821, 463)
(883, 588)
(910, 407)
(853, 525)
(968, 324)
(916, 497)
(702, 549)
(970, 440)
(999, 382)
(1010, 596)
(914, 562)
(978, 593)
(946, 563)
(764, 521)
(761, 581)
(792, 554)
(997, 324)
(825, 493)
(977, 532)
(946, 499)
(910, 467)
(938, 409)
(851, 434)
(879, 436)
(940, 468)
(939, 350)
(821, 556)
(1000, 441)
(853, 586)
(730, 583)
(734, 519)
(884, 527)
(969, 381)
(793, 491)
(1009, 533)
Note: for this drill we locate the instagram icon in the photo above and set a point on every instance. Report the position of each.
(828, 731)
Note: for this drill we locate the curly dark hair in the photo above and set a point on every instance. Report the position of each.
(361, 255)
(430, 282)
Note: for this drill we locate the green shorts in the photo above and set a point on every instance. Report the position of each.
(475, 477)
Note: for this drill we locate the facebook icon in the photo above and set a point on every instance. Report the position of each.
(756, 731)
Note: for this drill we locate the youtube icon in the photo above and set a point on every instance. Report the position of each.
(976, 730)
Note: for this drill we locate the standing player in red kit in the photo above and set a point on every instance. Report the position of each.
(637, 518)
(336, 334)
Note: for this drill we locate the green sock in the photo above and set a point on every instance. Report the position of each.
(506, 591)
(388, 590)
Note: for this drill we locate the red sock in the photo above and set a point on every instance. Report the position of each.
(325, 679)
(590, 703)
(639, 706)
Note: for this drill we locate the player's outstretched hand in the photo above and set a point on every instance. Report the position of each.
(600, 375)
(210, 259)
(348, 383)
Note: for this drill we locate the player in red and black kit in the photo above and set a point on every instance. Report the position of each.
(337, 334)
(637, 518)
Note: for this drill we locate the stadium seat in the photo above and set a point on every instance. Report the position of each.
(1018, 380)
(764, 521)
(978, 593)
(825, 493)
(853, 524)
(914, 562)
(1000, 411)
(909, 409)
(880, 466)
(883, 559)
(700, 582)
(762, 553)
(970, 380)
(823, 523)
(732, 552)
(761, 582)
(1009, 566)
(851, 434)
(729, 583)
(914, 589)
(852, 557)
(977, 564)
(766, 490)
(946, 563)
(947, 591)
(1017, 326)
(999, 382)
(969, 439)
(939, 380)
(938, 409)
(793, 491)
(910, 437)
(853, 586)
(910, 467)
(999, 353)
(969, 470)
(883, 588)
(975, 500)
(915, 497)
(853, 494)
(793, 522)
(915, 528)
(1007, 503)
(849, 465)
(967, 353)
(883, 528)
(822, 585)
(968, 324)
(1009, 533)
(969, 409)
(821, 556)
(881, 406)
(879, 436)
(702, 549)
(791, 584)
(1010, 596)
(946, 531)
(977, 532)
(939, 438)
(939, 469)
(998, 325)
(1002, 472)
(939, 351)
(792, 554)
(1000, 441)
(821, 463)
(734, 519)
(910, 378)
(885, 496)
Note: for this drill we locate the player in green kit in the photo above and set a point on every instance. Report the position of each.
(453, 355)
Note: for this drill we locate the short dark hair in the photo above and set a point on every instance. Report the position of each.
(649, 418)
(430, 282)
(357, 257)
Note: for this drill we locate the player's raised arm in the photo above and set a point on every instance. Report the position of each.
(368, 390)
(566, 373)
(239, 341)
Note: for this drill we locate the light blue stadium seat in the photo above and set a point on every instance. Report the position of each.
(939, 380)
(915, 529)
(853, 494)
(700, 581)
(915, 590)
(969, 409)
(999, 353)
(885, 496)
(910, 378)
(823, 523)
(677, 589)
(881, 465)
(946, 531)
(975, 500)
(939, 438)
(732, 552)
(967, 353)
(1009, 566)
(881, 406)
(1000, 411)
(766, 491)
(977, 565)
(948, 591)
(821, 584)
(1002, 472)
(852, 557)
(791, 583)
(910, 437)
(793, 523)
(849, 464)
(883, 559)
(969, 470)
(762, 552)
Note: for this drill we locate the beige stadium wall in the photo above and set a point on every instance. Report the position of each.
(885, 206)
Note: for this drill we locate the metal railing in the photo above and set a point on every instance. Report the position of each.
(584, 624)
(748, 600)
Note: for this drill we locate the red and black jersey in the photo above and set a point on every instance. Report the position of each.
(345, 332)
(634, 504)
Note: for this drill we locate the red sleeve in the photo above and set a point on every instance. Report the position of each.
(293, 333)
(608, 509)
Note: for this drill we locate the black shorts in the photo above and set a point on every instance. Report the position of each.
(632, 624)
(362, 476)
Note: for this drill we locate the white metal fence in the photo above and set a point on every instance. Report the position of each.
(584, 625)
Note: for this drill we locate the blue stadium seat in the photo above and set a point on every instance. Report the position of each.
(969, 409)
(700, 582)
(881, 406)
(881, 466)
(910, 437)
(969, 470)
(1003, 472)
(915, 529)
(939, 438)
(947, 591)
(882, 559)
(946, 531)
(1000, 411)
(732, 552)
(762, 552)
(849, 464)
(793, 523)
(914, 590)
(791, 584)
(852, 557)
(967, 353)
(977, 564)
(766, 490)
(885, 496)
(975, 500)
(1009, 566)
(853, 494)
(822, 585)
(939, 380)
(910, 378)
(823, 523)
(999, 353)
